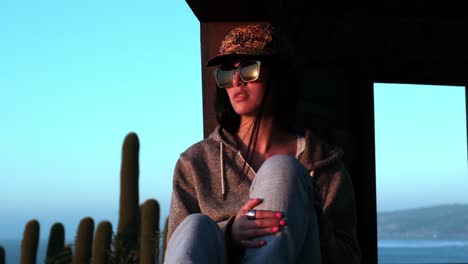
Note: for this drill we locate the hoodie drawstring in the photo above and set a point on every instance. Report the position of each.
(221, 168)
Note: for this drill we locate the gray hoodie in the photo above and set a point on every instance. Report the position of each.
(207, 180)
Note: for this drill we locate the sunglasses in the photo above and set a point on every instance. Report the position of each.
(248, 72)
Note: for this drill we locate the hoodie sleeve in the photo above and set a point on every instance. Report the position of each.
(337, 219)
(184, 199)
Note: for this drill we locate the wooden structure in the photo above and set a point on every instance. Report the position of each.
(341, 57)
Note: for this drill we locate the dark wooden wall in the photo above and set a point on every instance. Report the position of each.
(340, 58)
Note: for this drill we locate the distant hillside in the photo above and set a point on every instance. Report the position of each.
(437, 222)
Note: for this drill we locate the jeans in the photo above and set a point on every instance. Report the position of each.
(285, 186)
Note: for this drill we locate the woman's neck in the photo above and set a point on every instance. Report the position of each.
(269, 135)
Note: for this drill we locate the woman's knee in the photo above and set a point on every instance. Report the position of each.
(281, 174)
(184, 245)
(197, 221)
(200, 225)
(282, 166)
(282, 159)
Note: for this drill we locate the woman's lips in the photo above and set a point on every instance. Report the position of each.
(239, 96)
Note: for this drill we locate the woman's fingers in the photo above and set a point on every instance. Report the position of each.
(263, 218)
(248, 236)
(251, 203)
(252, 244)
(259, 232)
(263, 214)
(260, 214)
(263, 223)
(266, 222)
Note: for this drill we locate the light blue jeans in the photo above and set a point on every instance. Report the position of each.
(285, 186)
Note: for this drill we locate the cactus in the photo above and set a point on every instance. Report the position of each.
(2, 255)
(63, 257)
(56, 242)
(83, 242)
(101, 244)
(127, 230)
(137, 238)
(149, 232)
(30, 242)
(66, 256)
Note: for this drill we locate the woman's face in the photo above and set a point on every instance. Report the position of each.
(246, 97)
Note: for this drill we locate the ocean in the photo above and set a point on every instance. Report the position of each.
(390, 251)
(422, 251)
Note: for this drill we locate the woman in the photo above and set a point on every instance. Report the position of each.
(258, 190)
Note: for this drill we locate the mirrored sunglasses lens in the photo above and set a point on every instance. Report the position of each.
(249, 71)
(224, 78)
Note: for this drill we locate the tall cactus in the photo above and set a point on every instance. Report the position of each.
(30, 242)
(102, 242)
(2, 255)
(56, 243)
(83, 241)
(149, 232)
(127, 231)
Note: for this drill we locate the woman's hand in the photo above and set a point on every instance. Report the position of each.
(266, 222)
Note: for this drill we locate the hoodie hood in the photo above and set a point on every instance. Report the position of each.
(316, 153)
(227, 140)
(221, 135)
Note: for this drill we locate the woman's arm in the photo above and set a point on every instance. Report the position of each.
(184, 198)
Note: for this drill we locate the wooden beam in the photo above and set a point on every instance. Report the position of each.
(228, 11)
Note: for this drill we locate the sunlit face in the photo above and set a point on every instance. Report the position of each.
(246, 97)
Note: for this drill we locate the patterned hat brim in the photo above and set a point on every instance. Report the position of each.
(220, 58)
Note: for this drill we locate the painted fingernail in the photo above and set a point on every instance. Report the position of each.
(262, 242)
(279, 215)
(282, 222)
(275, 229)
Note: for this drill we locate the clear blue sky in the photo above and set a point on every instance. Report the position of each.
(420, 141)
(76, 77)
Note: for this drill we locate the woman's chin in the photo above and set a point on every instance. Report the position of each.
(245, 109)
(245, 112)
